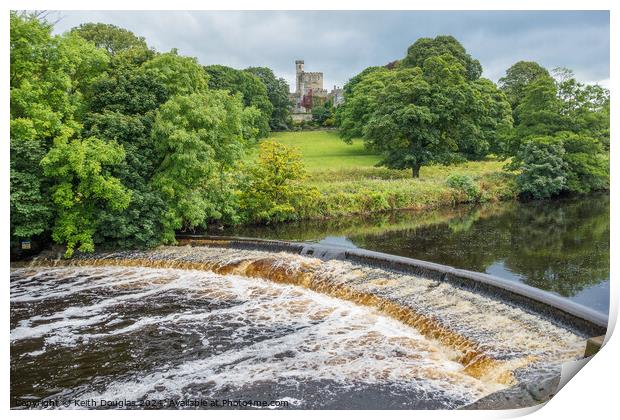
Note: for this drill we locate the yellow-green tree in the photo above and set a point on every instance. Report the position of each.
(273, 190)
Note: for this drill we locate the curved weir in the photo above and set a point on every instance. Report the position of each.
(326, 324)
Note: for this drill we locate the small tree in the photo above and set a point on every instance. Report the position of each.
(273, 190)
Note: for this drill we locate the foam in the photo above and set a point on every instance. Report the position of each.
(326, 339)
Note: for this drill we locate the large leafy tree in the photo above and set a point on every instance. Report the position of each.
(272, 189)
(559, 142)
(83, 186)
(539, 113)
(427, 109)
(278, 94)
(584, 107)
(122, 108)
(200, 137)
(252, 89)
(180, 75)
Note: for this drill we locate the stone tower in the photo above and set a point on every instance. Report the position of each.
(299, 79)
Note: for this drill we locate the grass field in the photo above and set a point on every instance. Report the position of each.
(323, 150)
(349, 183)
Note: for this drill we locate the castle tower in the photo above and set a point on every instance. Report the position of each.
(299, 73)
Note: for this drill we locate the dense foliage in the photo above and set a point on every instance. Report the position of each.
(517, 78)
(432, 107)
(252, 90)
(272, 190)
(115, 144)
(278, 94)
(561, 141)
(201, 137)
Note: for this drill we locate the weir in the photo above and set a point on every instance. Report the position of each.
(566, 313)
(503, 336)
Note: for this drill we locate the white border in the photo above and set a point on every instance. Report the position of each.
(590, 395)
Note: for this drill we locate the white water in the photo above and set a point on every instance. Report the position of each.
(181, 333)
(272, 333)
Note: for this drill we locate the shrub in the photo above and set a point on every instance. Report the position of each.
(543, 170)
(273, 189)
(566, 162)
(464, 184)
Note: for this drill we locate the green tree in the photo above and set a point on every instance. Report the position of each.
(418, 116)
(111, 38)
(252, 90)
(180, 75)
(273, 190)
(560, 140)
(425, 48)
(278, 94)
(585, 108)
(122, 108)
(518, 77)
(83, 185)
(360, 102)
(539, 113)
(49, 77)
(200, 137)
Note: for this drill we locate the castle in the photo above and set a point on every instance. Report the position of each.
(309, 92)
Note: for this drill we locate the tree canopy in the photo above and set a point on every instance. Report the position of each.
(110, 38)
(425, 48)
(277, 92)
(115, 144)
(428, 109)
(518, 77)
(252, 89)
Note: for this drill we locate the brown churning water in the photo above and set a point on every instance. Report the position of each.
(362, 326)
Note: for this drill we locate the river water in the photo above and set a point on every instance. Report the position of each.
(219, 325)
(561, 246)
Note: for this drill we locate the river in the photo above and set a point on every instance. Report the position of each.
(561, 246)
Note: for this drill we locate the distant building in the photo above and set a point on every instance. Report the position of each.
(309, 92)
(336, 95)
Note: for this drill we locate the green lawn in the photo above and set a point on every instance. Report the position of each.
(323, 150)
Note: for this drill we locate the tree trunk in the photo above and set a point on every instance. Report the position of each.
(416, 171)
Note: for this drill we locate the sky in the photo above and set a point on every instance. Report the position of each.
(342, 43)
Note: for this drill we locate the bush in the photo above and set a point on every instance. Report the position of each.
(588, 166)
(543, 170)
(464, 184)
(566, 162)
(273, 189)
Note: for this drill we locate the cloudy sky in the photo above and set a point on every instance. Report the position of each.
(340, 44)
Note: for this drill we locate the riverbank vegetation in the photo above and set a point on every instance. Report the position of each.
(116, 144)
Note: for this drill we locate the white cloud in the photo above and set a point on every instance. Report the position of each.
(343, 43)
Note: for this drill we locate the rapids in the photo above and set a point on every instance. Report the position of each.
(215, 323)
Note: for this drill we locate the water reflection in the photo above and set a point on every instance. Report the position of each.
(561, 246)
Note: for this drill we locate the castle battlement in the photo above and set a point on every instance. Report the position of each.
(307, 84)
